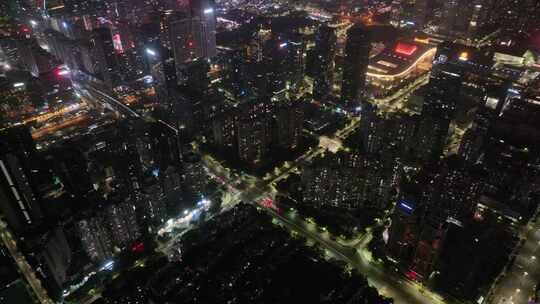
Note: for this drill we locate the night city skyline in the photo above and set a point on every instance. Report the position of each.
(269, 151)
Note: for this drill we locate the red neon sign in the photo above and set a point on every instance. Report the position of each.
(405, 49)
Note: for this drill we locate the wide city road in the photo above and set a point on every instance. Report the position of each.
(388, 283)
(517, 285)
(105, 98)
(254, 190)
(396, 101)
(24, 268)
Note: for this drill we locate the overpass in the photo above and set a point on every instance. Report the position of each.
(110, 102)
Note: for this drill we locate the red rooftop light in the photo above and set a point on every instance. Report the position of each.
(405, 48)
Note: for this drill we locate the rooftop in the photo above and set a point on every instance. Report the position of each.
(398, 58)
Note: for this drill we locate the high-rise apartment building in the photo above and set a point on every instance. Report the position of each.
(437, 112)
(290, 125)
(195, 177)
(122, 223)
(95, 238)
(254, 131)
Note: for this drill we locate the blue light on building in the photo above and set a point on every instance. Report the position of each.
(406, 206)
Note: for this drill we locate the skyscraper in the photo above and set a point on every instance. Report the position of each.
(290, 124)
(176, 34)
(151, 209)
(437, 112)
(372, 130)
(204, 10)
(95, 238)
(122, 222)
(252, 139)
(104, 55)
(165, 146)
(70, 165)
(195, 177)
(432, 132)
(283, 63)
(34, 59)
(224, 130)
(164, 73)
(355, 65)
(422, 12)
(510, 15)
(475, 138)
(236, 69)
(19, 198)
(323, 61)
(456, 16)
(253, 132)
(382, 135)
(191, 34)
(50, 253)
